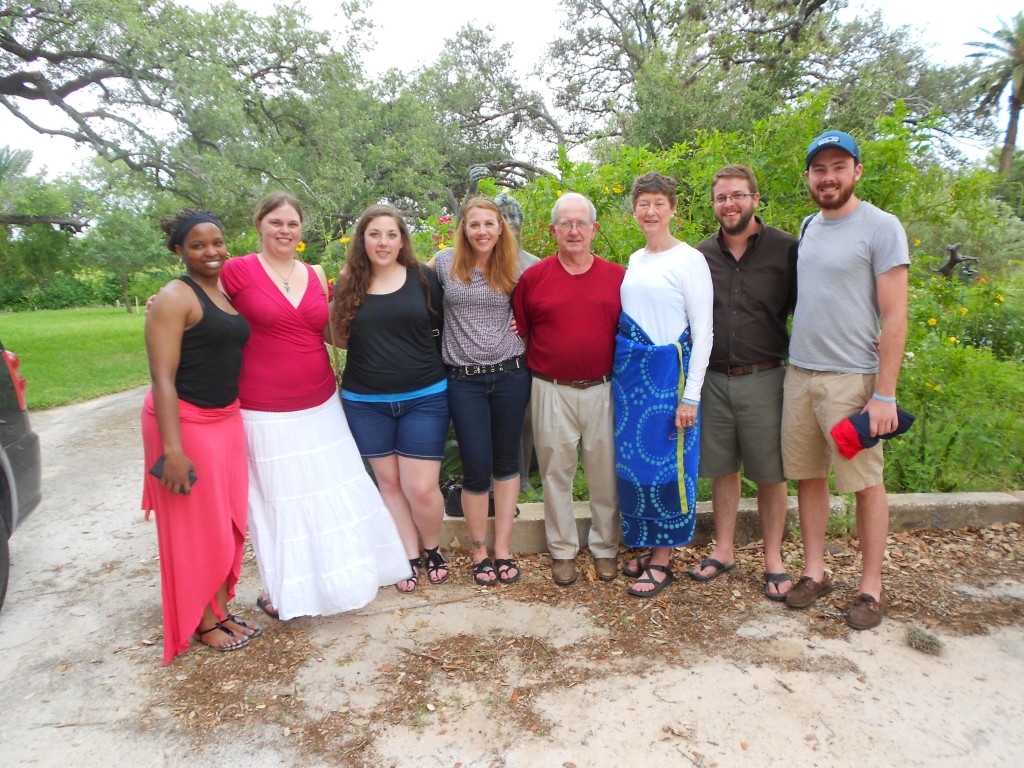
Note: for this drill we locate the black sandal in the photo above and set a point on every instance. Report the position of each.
(239, 642)
(504, 566)
(648, 578)
(484, 566)
(265, 605)
(778, 579)
(415, 564)
(254, 629)
(435, 562)
(635, 566)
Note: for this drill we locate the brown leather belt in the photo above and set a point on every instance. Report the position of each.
(743, 370)
(511, 364)
(584, 384)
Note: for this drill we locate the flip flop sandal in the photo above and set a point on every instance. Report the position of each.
(255, 628)
(648, 578)
(776, 579)
(435, 562)
(504, 566)
(635, 567)
(484, 566)
(710, 562)
(415, 564)
(238, 643)
(265, 605)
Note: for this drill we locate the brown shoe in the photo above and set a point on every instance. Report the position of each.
(607, 568)
(866, 612)
(807, 590)
(563, 572)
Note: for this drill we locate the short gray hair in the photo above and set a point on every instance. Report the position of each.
(575, 197)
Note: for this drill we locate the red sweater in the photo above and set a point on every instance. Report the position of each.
(569, 321)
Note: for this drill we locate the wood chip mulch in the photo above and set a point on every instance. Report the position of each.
(959, 582)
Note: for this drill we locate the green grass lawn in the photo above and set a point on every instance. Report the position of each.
(71, 355)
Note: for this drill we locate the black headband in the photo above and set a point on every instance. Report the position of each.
(198, 218)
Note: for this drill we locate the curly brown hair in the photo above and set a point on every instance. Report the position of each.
(354, 280)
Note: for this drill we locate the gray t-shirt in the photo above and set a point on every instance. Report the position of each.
(477, 319)
(836, 321)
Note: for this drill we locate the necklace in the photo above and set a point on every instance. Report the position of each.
(284, 279)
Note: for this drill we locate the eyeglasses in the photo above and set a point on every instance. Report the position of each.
(739, 197)
(660, 205)
(566, 225)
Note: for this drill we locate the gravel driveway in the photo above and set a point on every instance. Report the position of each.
(455, 675)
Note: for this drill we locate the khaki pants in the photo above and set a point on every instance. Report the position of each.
(566, 420)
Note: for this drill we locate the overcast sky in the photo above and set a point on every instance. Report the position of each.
(406, 41)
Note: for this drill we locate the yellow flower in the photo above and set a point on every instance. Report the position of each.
(938, 387)
(558, 193)
(954, 339)
(932, 321)
(618, 190)
(963, 310)
(300, 247)
(917, 241)
(605, 190)
(1000, 300)
(441, 246)
(344, 239)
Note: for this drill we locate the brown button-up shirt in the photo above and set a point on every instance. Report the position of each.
(754, 295)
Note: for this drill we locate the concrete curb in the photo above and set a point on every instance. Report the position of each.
(911, 511)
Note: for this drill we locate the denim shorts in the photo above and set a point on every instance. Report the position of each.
(416, 428)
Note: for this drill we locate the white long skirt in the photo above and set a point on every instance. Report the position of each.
(325, 542)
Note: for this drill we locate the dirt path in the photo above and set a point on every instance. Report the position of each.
(527, 675)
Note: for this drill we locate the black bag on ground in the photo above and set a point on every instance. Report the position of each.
(453, 504)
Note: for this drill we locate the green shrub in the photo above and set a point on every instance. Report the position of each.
(969, 433)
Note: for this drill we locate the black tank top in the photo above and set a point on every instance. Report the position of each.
(211, 355)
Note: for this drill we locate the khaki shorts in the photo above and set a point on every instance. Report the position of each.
(814, 402)
(741, 422)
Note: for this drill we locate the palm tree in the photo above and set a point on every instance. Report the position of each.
(13, 162)
(1004, 54)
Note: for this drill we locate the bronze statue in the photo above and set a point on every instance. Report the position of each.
(955, 260)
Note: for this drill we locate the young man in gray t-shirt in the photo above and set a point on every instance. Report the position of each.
(851, 273)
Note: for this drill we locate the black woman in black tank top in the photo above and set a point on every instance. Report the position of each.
(195, 443)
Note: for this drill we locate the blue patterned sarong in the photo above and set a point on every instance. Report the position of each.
(656, 469)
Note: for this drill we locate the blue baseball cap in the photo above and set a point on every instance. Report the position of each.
(837, 139)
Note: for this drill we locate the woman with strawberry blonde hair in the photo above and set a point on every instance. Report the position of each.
(488, 382)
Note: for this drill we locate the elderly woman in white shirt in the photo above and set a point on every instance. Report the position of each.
(661, 355)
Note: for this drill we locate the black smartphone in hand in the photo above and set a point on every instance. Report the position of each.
(157, 470)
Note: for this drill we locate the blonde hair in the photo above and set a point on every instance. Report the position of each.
(503, 265)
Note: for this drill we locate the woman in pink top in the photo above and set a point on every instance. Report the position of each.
(324, 540)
